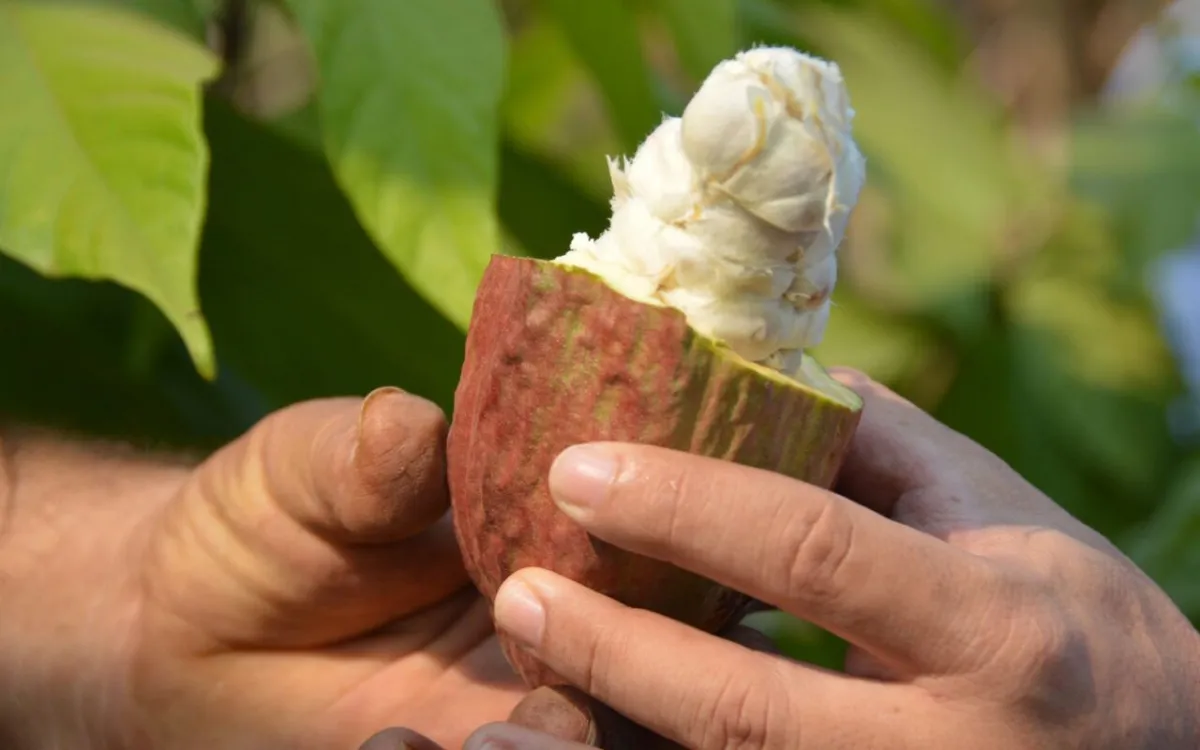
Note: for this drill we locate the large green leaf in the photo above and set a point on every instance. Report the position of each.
(102, 152)
(408, 104)
(540, 205)
(604, 35)
(301, 302)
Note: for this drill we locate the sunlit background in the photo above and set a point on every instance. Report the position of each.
(1023, 262)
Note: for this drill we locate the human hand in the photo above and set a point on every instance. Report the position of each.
(301, 588)
(561, 718)
(980, 613)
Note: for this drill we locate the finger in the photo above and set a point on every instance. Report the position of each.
(355, 471)
(905, 464)
(862, 664)
(507, 736)
(685, 685)
(881, 585)
(562, 712)
(282, 538)
(897, 447)
(399, 738)
(567, 713)
(570, 714)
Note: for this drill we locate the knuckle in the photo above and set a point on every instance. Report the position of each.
(668, 496)
(1049, 642)
(1046, 657)
(745, 714)
(604, 648)
(817, 543)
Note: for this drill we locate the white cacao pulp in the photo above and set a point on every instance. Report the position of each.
(733, 213)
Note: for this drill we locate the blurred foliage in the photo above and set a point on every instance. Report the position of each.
(333, 233)
(105, 160)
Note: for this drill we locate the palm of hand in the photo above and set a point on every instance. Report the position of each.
(303, 589)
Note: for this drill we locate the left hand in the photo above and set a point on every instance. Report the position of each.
(300, 588)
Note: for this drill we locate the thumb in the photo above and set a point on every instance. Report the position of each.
(307, 530)
(569, 714)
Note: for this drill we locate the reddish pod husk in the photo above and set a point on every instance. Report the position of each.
(556, 357)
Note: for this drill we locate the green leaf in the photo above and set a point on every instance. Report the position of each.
(300, 301)
(800, 640)
(604, 35)
(705, 31)
(102, 152)
(549, 109)
(408, 104)
(542, 207)
(188, 16)
(84, 366)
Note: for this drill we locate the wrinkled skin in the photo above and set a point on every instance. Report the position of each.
(980, 613)
(301, 588)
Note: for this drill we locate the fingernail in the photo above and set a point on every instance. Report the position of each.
(396, 738)
(488, 742)
(561, 711)
(508, 736)
(580, 478)
(519, 612)
(487, 739)
(368, 404)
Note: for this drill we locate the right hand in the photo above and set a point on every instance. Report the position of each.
(980, 614)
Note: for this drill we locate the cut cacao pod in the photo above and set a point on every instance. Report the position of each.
(555, 357)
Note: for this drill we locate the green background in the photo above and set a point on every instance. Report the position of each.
(212, 209)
